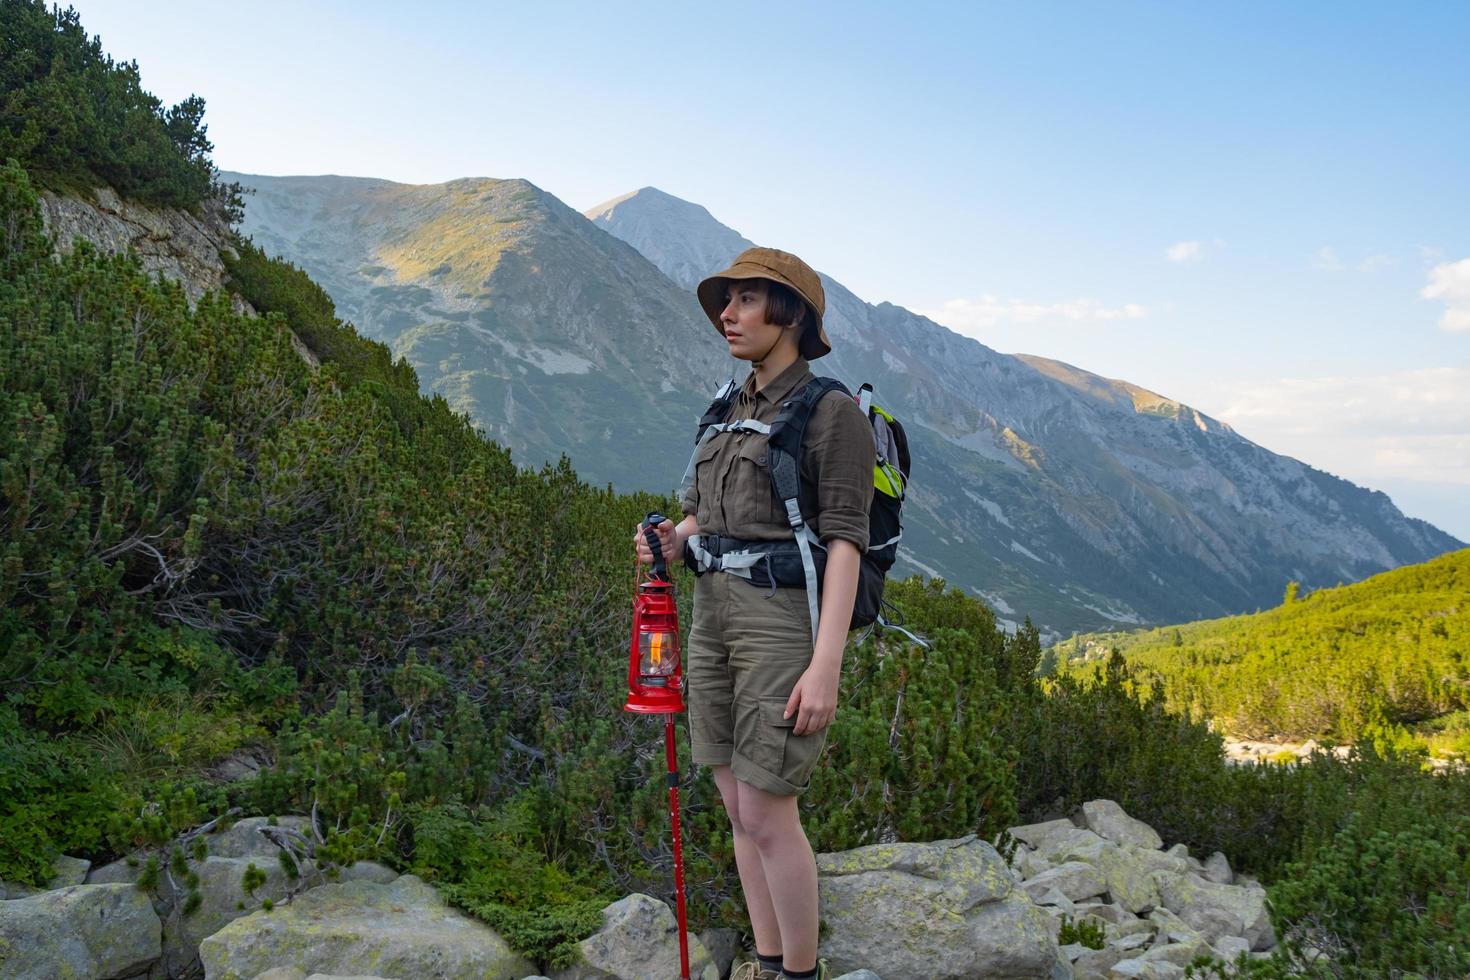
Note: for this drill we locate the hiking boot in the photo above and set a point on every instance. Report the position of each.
(822, 972)
(751, 970)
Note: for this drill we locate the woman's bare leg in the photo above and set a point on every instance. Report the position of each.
(752, 870)
(772, 824)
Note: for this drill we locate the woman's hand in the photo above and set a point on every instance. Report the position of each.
(813, 700)
(668, 540)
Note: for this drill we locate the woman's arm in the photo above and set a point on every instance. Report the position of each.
(814, 699)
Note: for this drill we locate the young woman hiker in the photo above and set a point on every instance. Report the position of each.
(761, 691)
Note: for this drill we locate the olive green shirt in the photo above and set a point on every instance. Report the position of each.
(731, 492)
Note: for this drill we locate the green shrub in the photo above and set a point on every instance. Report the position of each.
(77, 119)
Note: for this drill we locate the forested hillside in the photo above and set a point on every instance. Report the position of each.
(213, 550)
(1373, 658)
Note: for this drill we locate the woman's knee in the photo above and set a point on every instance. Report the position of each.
(766, 818)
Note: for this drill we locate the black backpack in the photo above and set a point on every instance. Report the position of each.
(890, 483)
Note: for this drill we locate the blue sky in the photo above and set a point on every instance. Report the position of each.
(1258, 209)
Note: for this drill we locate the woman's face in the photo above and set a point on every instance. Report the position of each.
(748, 333)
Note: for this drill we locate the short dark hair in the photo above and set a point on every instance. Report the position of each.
(783, 306)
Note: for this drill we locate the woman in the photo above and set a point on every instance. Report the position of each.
(761, 691)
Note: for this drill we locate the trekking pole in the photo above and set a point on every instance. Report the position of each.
(655, 687)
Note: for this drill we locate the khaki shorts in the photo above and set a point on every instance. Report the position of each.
(746, 653)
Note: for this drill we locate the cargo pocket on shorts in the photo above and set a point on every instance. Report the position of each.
(772, 735)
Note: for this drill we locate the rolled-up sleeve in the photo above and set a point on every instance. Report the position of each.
(838, 456)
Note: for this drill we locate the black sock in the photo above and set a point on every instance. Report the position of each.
(803, 975)
(771, 963)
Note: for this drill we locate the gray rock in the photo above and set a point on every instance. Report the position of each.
(1140, 969)
(174, 243)
(722, 945)
(860, 975)
(1180, 954)
(1179, 851)
(1053, 900)
(942, 911)
(79, 931)
(222, 901)
(282, 973)
(1213, 922)
(243, 838)
(1180, 892)
(1228, 948)
(123, 871)
(639, 940)
(1033, 835)
(1068, 845)
(65, 872)
(1217, 869)
(1075, 879)
(1126, 943)
(1108, 820)
(1096, 964)
(401, 929)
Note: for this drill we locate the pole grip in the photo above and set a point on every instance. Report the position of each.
(660, 567)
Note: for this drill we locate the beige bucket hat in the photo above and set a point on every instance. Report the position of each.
(778, 266)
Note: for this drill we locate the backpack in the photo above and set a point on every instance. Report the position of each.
(784, 441)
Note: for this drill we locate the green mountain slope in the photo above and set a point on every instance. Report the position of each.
(1341, 662)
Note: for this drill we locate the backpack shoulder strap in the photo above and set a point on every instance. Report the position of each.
(783, 461)
(717, 411)
(784, 443)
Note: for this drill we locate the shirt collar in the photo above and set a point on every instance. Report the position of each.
(780, 385)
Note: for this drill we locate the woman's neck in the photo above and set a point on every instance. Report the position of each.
(775, 362)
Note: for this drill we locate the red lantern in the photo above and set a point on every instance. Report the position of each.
(656, 687)
(655, 669)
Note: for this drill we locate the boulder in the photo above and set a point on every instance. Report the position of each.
(1033, 835)
(1075, 879)
(93, 931)
(1108, 820)
(639, 940)
(1140, 969)
(1183, 894)
(943, 911)
(65, 872)
(1217, 869)
(722, 945)
(1065, 845)
(1126, 870)
(1213, 922)
(223, 899)
(1229, 948)
(243, 839)
(401, 929)
(1095, 964)
(860, 975)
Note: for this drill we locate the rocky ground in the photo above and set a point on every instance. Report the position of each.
(944, 910)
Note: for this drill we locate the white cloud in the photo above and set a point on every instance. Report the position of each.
(1326, 259)
(1450, 282)
(968, 315)
(1407, 425)
(1184, 252)
(1377, 262)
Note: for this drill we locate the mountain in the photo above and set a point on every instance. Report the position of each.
(1082, 502)
(552, 335)
(1040, 484)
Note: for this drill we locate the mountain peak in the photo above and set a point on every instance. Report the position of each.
(680, 237)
